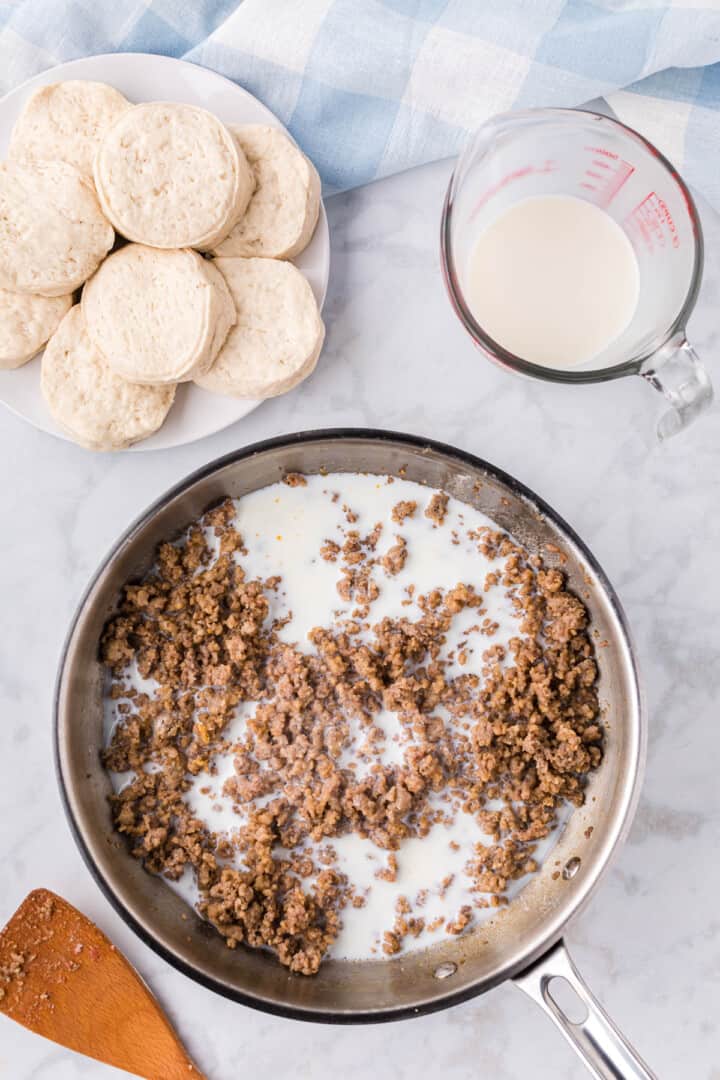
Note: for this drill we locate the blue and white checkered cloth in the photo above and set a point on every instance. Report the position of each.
(371, 87)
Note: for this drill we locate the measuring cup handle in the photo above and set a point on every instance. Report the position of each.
(676, 371)
(604, 1050)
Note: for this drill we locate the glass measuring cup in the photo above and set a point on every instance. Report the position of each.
(572, 152)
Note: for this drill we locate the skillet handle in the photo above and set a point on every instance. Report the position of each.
(596, 1040)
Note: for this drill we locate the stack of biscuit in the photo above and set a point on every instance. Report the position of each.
(200, 219)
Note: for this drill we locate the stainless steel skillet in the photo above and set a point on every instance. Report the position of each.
(524, 943)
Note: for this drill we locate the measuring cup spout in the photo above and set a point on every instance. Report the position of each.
(677, 372)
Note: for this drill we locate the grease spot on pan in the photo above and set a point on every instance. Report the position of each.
(571, 867)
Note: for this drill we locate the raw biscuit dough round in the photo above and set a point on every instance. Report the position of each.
(158, 316)
(53, 233)
(282, 214)
(26, 323)
(278, 335)
(66, 122)
(94, 406)
(172, 176)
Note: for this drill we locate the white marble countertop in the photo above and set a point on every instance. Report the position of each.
(395, 357)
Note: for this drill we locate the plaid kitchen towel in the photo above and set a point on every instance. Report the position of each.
(370, 87)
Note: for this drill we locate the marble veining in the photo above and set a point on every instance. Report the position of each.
(649, 943)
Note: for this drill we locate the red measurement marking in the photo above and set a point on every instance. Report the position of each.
(602, 150)
(615, 176)
(589, 187)
(517, 174)
(654, 222)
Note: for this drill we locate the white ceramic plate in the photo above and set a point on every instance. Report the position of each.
(143, 77)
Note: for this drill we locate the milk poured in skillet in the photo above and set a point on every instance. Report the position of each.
(283, 529)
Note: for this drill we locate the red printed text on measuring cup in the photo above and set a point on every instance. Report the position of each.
(652, 221)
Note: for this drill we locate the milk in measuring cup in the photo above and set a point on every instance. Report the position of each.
(554, 280)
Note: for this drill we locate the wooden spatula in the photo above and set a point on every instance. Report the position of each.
(62, 978)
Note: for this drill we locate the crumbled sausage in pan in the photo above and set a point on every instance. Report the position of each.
(527, 733)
